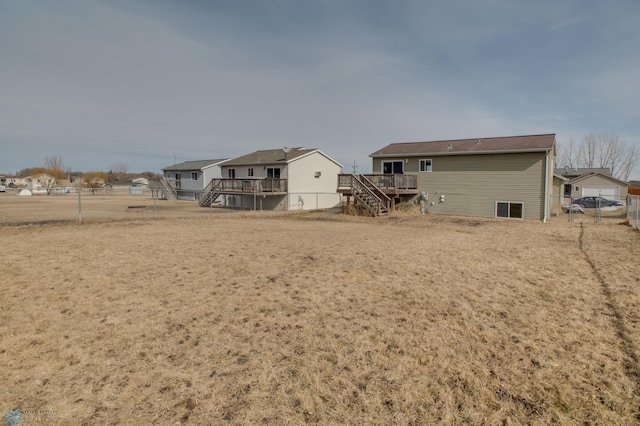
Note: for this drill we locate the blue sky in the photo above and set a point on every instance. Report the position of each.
(140, 82)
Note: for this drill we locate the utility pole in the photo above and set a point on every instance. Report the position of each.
(355, 167)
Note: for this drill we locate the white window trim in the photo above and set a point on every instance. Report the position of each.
(192, 173)
(430, 165)
(495, 211)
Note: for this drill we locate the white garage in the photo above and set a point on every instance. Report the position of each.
(597, 184)
(612, 192)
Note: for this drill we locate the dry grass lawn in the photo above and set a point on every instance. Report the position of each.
(318, 318)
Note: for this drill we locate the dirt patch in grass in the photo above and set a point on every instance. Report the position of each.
(316, 317)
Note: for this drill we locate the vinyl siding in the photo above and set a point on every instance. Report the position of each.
(471, 184)
(597, 181)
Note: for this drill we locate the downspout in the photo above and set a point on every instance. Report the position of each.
(546, 188)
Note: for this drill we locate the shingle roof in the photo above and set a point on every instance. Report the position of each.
(573, 172)
(508, 144)
(606, 177)
(192, 165)
(268, 156)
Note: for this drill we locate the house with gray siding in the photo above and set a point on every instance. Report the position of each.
(187, 180)
(503, 177)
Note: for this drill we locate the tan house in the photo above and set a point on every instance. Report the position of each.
(596, 184)
(277, 179)
(504, 177)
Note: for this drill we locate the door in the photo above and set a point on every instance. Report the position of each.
(178, 181)
(273, 172)
(393, 167)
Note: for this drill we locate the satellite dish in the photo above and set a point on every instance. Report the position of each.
(286, 149)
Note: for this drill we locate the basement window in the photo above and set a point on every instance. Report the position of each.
(509, 209)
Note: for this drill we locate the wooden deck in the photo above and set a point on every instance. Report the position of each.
(268, 186)
(390, 184)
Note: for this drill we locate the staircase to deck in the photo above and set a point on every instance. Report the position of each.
(209, 195)
(208, 198)
(170, 192)
(369, 196)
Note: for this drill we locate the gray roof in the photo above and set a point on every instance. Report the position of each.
(572, 172)
(508, 144)
(606, 177)
(192, 165)
(268, 156)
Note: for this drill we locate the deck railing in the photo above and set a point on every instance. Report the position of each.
(249, 185)
(386, 182)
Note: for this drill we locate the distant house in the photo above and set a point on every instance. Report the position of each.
(277, 179)
(573, 172)
(596, 184)
(504, 177)
(187, 180)
(141, 182)
(15, 182)
(634, 187)
(40, 183)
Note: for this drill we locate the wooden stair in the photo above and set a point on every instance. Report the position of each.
(170, 192)
(208, 198)
(369, 196)
(209, 195)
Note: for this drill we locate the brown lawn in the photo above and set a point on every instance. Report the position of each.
(319, 318)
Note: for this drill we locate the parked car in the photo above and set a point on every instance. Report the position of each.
(573, 208)
(593, 202)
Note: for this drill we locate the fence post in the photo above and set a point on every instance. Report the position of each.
(79, 207)
(637, 199)
(155, 197)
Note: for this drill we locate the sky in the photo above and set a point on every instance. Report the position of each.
(148, 83)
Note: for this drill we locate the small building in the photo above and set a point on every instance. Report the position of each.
(596, 184)
(277, 179)
(503, 177)
(187, 180)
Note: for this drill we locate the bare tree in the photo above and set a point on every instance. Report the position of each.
(118, 172)
(44, 180)
(94, 180)
(602, 150)
(567, 154)
(54, 162)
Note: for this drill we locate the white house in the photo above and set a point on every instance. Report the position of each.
(40, 183)
(187, 180)
(278, 179)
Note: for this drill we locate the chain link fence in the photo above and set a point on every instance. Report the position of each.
(633, 211)
(101, 205)
(593, 209)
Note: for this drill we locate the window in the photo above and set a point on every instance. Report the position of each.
(273, 172)
(250, 171)
(509, 210)
(231, 173)
(395, 167)
(194, 175)
(425, 165)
